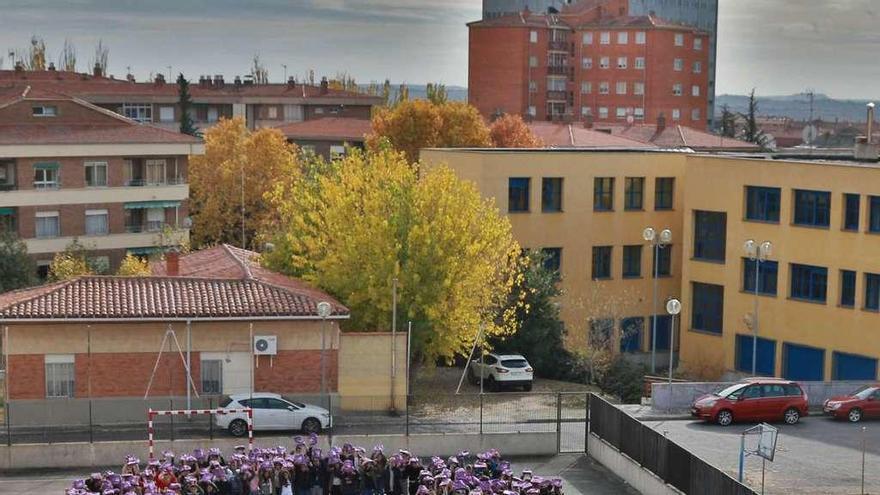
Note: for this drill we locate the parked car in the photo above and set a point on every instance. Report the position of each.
(272, 412)
(863, 403)
(754, 399)
(506, 370)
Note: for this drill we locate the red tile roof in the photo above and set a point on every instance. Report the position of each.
(332, 128)
(644, 22)
(679, 136)
(576, 136)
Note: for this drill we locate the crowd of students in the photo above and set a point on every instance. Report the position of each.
(306, 470)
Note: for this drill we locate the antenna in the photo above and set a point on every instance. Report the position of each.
(810, 132)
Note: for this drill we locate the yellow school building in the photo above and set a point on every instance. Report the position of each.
(818, 287)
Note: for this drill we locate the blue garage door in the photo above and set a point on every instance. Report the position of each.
(853, 367)
(664, 323)
(803, 363)
(766, 362)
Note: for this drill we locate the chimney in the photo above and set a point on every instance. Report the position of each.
(52, 66)
(661, 122)
(237, 81)
(871, 123)
(160, 79)
(325, 86)
(19, 67)
(218, 81)
(172, 263)
(865, 149)
(129, 78)
(291, 82)
(98, 71)
(204, 82)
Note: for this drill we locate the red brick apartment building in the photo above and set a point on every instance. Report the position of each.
(72, 170)
(590, 62)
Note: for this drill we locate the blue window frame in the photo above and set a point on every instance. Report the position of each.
(664, 189)
(762, 203)
(707, 312)
(847, 288)
(551, 194)
(710, 235)
(634, 193)
(768, 271)
(853, 367)
(808, 282)
(631, 331)
(632, 261)
(803, 363)
(851, 205)
(601, 331)
(603, 194)
(812, 208)
(664, 326)
(872, 291)
(662, 261)
(518, 194)
(873, 214)
(552, 259)
(601, 262)
(765, 364)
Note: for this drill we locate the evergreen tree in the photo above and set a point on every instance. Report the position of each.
(17, 269)
(728, 122)
(185, 103)
(752, 133)
(436, 93)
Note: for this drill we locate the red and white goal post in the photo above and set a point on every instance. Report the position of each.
(186, 412)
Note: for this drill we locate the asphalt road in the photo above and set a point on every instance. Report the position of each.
(816, 456)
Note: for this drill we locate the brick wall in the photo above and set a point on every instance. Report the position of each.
(26, 376)
(72, 170)
(68, 112)
(296, 372)
(128, 374)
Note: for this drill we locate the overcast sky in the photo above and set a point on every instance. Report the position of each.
(778, 46)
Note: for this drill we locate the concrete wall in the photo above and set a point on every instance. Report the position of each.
(85, 455)
(365, 371)
(680, 396)
(629, 470)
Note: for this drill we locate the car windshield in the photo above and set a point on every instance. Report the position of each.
(727, 392)
(865, 393)
(515, 363)
(298, 404)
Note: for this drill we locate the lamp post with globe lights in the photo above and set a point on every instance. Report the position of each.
(673, 307)
(757, 254)
(657, 242)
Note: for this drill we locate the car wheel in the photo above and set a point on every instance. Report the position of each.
(527, 387)
(791, 416)
(854, 415)
(238, 428)
(311, 425)
(724, 417)
(491, 384)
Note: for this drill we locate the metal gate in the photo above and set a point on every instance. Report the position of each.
(572, 422)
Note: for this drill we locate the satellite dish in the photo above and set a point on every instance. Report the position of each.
(810, 134)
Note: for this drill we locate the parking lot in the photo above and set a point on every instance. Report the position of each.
(816, 456)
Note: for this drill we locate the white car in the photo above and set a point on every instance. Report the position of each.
(272, 412)
(502, 370)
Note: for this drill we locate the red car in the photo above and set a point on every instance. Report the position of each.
(754, 399)
(863, 403)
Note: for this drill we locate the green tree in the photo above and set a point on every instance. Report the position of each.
(17, 269)
(728, 122)
(184, 101)
(436, 93)
(751, 131)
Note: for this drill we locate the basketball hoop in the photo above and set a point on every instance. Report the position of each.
(762, 440)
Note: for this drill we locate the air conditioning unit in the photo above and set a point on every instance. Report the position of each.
(265, 345)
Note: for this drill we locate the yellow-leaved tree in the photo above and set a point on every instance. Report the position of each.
(238, 167)
(132, 266)
(352, 226)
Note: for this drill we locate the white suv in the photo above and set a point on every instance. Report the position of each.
(502, 370)
(272, 412)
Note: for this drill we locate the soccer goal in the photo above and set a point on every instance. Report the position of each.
(151, 415)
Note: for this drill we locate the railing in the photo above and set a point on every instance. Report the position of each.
(145, 182)
(153, 226)
(553, 95)
(47, 186)
(7, 187)
(560, 46)
(560, 70)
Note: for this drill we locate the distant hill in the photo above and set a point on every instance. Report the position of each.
(798, 107)
(419, 91)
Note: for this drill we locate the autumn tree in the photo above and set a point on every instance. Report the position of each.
(132, 266)
(17, 269)
(436, 93)
(511, 131)
(67, 59)
(227, 183)
(71, 263)
(352, 226)
(102, 54)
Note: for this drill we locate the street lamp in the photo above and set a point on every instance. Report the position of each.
(673, 307)
(324, 310)
(657, 242)
(757, 253)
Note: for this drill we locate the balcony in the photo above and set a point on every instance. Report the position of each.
(151, 226)
(561, 46)
(559, 70)
(104, 242)
(7, 187)
(557, 96)
(170, 191)
(174, 181)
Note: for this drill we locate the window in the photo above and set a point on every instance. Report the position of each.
(518, 194)
(604, 62)
(765, 357)
(640, 63)
(639, 113)
(847, 288)
(678, 64)
(638, 88)
(100, 265)
(555, 84)
(212, 376)
(851, 207)
(874, 214)
(621, 87)
(155, 219)
(621, 112)
(808, 282)
(552, 259)
(663, 324)
(533, 86)
(698, 67)
(710, 235)
(166, 114)
(586, 111)
(679, 39)
(633, 193)
(532, 110)
(676, 114)
(695, 114)
(601, 262)
(59, 375)
(872, 291)
(603, 88)
(307, 149)
(533, 36)
(587, 63)
(762, 203)
(695, 90)
(632, 261)
(96, 174)
(698, 43)
(603, 111)
(663, 192)
(155, 172)
(605, 38)
(533, 61)
(631, 334)
(47, 225)
(767, 272)
(141, 112)
(337, 152)
(812, 208)
(601, 331)
(603, 194)
(96, 222)
(588, 39)
(45, 111)
(586, 88)
(622, 62)
(551, 194)
(640, 37)
(214, 114)
(708, 307)
(661, 261)
(676, 89)
(46, 176)
(622, 38)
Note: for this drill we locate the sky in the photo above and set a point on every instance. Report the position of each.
(776, 46)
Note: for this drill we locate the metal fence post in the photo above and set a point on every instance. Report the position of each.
(587, 421)
(330, 430)
(481, 414)
(8, 416)
(91, 424)
(559, 422)
(211, 418)
(171, 408)
(407, 415)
